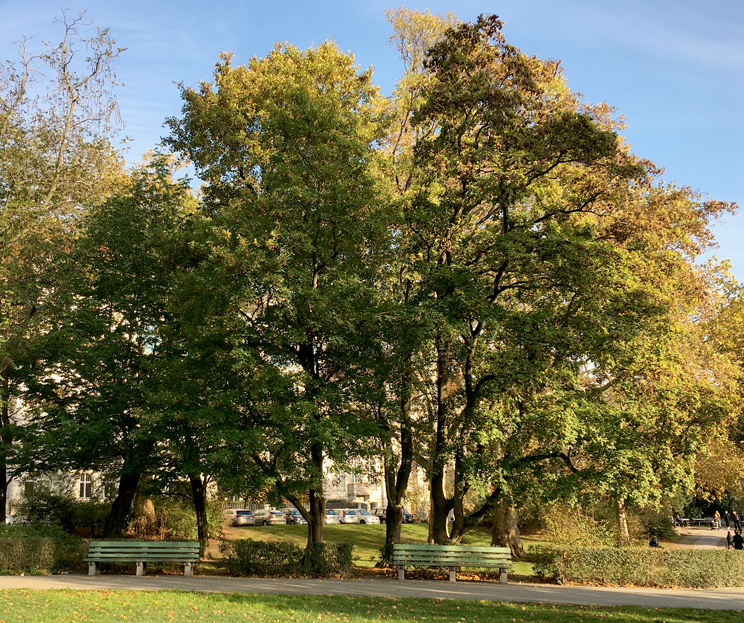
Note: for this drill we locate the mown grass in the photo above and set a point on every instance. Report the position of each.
(367, 540)
(28, 606)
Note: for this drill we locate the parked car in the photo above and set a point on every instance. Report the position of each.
(332, 517)
(294, 517)
(348, 515)
(382, 514)
(243, 518)
(366, 517)
(270, 517)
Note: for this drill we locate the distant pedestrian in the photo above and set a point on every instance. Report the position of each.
(729, 540)
(737, 524)
(717, 519)
(727, 518)
(738, 541)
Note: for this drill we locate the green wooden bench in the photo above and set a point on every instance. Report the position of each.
(452, 556)
(143, 552)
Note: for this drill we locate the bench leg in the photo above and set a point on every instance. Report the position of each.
(401, 573)
(188, 568)
(453, 574)
(92, 568)
(141, 568)
(503, 576)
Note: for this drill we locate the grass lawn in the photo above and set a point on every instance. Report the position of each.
(27, 606)
(367, 540)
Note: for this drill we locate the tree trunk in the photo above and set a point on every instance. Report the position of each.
(316, 523)
(441, 505)
(116, 521)
(199, 494)
(505, 531)
(396, 480)
(6, 439)
(622, 521)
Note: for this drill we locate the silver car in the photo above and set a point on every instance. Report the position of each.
(243, 518)
(332, 517)
(270, 517)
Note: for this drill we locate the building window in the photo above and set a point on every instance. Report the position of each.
(86, 486)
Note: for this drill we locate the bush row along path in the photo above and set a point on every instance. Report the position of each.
(714, 599)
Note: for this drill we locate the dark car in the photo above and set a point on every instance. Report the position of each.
(294, 517)
(382, 514)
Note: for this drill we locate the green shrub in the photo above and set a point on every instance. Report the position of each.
(81, 517)
(39, 549)
(246, 557)
(167, 517)
(328, 559)
(641, 566)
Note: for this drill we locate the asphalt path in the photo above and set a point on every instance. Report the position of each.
(714, 599)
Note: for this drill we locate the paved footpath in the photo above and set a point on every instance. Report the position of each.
(715, 599)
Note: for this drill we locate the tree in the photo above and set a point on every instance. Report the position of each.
(95, 374)
(56, 161)
(284, 147)
(525, 215)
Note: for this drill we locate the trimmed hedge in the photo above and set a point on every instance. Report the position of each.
(641, 566)
(246, 557)
(32, 549)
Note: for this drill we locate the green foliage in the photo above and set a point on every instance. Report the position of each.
(81, 517)
(247, 557)
(328, 559)
(38, 548)
(640, 566)
(166, 517)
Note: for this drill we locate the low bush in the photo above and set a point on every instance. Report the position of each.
(328, 559)
(39, 549)
(81, 517)
(246, 557)
(640, 566)
(164, 517)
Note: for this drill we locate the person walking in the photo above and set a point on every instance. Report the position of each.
(717, 519)
(737, 524)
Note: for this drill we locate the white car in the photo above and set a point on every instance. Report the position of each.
(348, 515)
(367, 517)
(332, 516)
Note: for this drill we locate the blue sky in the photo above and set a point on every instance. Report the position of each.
(673, 68)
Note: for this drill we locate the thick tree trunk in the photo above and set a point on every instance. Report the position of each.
(316, 522)
(199, 495)
(116, 521)
(622, 522)
(505, 531)
(441, 505)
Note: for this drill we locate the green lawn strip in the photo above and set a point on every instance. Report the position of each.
(29, 606)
